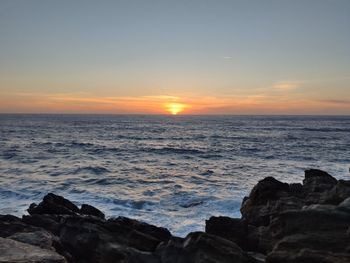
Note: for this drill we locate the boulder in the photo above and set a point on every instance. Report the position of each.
(337, 193)
(10, 225)
(90, 210)
(54, 204)
(14, 251)
(40, 238)
(315, 183)
(49, 222)
(96, 240)
(345, 205)
(233, 229)
(199, 247)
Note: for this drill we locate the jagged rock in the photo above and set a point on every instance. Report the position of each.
(97, 240)
(199, 247)
(49, 222)
(345, 205)
(160, 233)
(287, 222)
(337, 194)
(10, 225)
(307, 256)
(54, 204)
(90, 210)
(14, 251)
(268, 189)
(233, 229)
(265, 200)
(40, 238)
(316, 182)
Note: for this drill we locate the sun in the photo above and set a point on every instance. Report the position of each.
(175, 108)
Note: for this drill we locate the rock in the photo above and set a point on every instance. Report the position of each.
(49, 222)
(96, 240)
(317, 181)
(90, 210)
(40, 238)
(268, 197)
(200, 247)
(345, 205)
(233, 229)
(268, 189)
(260, 215)
(160, 233)
(10, 225)
(310, 221)
(337, 194)
(54, 204)
(14, 251)
(308, 256)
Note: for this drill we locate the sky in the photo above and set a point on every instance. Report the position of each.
(180, 56)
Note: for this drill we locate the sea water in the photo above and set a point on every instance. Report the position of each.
(171, 171)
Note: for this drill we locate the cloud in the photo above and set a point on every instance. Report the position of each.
(287, 85)
(335, 101)
(228, 57)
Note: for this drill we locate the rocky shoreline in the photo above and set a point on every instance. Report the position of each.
(281, 223)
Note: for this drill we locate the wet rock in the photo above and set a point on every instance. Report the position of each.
(14, 251)
(90, 210)
(54, 204)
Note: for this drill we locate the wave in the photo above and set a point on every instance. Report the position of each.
(326, 129)
(91, 169)
(172, 150)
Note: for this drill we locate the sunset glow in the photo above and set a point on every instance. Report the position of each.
(175, 108)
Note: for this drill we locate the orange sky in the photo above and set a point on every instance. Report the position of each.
(164, 104)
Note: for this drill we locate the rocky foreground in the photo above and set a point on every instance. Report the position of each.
(280, 222)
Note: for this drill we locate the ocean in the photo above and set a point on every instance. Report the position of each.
(171, 171)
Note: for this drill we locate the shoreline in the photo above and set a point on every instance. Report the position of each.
(308, 222)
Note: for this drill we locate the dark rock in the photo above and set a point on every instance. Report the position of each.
(200, 247)
(90, 210)
(54, 204)
(40, 238)
(265, 200)
(49, 222)
(345, 206)
(14, 251)
(307, 256)
(260, 215)
(315, 182)
(159, 233)
(233, 229)
(10, 225)
(268, 189)
(312, 219)
(97, 240)
(296, 189)
(337, 194)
